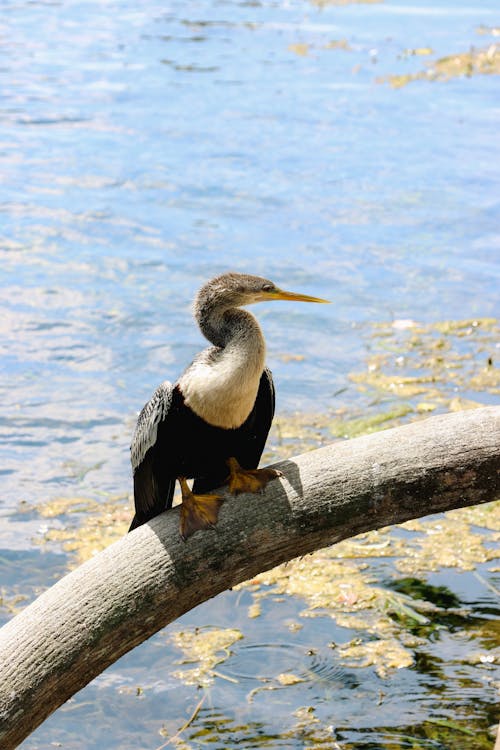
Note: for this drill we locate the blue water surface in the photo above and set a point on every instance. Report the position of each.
(146, 146)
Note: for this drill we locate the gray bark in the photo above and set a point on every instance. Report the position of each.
(116, 600)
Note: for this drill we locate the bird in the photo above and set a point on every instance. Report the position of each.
(211, 424)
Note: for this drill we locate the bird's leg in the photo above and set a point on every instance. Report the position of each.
(197, 511)
(248, 480)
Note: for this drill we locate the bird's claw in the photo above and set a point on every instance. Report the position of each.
(198, 512)
(249, 480)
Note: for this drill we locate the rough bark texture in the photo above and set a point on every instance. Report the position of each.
(126, 593)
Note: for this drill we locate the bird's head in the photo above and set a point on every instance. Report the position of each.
(240, 289)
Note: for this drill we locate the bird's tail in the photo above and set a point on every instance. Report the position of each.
(151, 498)
(135, 523)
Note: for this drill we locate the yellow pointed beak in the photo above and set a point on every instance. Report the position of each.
(294, 297)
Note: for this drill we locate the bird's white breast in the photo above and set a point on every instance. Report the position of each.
(222, 391)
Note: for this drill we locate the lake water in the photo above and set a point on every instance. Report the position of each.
(145, 147)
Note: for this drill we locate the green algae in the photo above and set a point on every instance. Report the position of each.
(308, 727)
(303, 49)
(338, 44)
(87, 525)
(351, 428)
(299, 48)
(337, 583)
(466, 327)
(433, 364)
(206, 648)
(416, 52)
(484, 61)
(12, 604)
(411, 370)
(419, 368)
(448, 542)
(385, 654)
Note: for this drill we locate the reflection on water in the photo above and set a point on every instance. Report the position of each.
(143, 149)
(266, 662)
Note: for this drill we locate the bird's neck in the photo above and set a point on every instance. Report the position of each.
(221, 385)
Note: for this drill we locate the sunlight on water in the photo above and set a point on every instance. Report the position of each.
(146, 147)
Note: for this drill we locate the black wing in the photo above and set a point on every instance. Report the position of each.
(249, 440)
(152, 493)
(257, 428)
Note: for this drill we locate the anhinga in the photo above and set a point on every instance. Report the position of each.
(216, 416)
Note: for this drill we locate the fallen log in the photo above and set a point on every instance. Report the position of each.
(123, 595)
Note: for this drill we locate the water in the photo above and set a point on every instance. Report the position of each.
(146, 147)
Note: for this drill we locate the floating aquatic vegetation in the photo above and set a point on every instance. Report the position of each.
(308, 727)
(449, 542)
(338, 44)
(207, 648)
(300, 48)
(411, 370)
(441, 365)
(12, 604)
(62, 506)
(378, 543)
(435, 545)
(484, 61)
(254, 610)
(466, 327)
(350, 428)
(385, 618)
(347, 592)
(385, 655)
(87, 526)
(296, 433)
(485, 516)
(491, 656)
(432, 734)
(287, 678)
(416, 52)
(403, 386)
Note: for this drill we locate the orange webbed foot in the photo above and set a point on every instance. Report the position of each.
(249, 480)
(198, 512)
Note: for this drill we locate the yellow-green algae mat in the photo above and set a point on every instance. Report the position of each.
(411, 370)
(474, 61)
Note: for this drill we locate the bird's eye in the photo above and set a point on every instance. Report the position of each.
(267, 288)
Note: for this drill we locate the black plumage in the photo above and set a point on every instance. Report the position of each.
(188, 446)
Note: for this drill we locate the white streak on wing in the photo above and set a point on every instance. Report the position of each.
(146, 429)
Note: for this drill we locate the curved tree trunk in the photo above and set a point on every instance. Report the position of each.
(126, 593)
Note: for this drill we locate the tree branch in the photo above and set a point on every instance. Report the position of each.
(118, 599)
